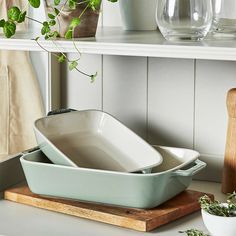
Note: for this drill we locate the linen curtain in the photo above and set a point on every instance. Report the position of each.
(20, 98)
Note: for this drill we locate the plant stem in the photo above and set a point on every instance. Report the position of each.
(62, 8)
(73, 40)
(83, 73)
(34, 20)
(54, 42)
(78, 3)
(85, 9)
(54, 54)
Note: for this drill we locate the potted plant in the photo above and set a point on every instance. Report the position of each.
(66, 18)
(85, 14)
(219, 218)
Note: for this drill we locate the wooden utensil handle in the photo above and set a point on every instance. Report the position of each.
(229, 171)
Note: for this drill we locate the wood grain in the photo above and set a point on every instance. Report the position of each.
(137, 219)
(229, 172)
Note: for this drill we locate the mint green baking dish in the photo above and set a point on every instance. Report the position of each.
(124, 189)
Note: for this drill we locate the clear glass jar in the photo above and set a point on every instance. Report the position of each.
(184, 19)
(224, 19)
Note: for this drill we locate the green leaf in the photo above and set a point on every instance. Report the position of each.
(69, 34)
(13, 13)
(56, 34)
(74, 23)
(52, 35)
(2, 23)
(57, 2)
(34, 3)
(45, 23)
(57, 12)
(95, 4)
(61, 58)
(21, 17)
(72, 4)
(93, 77)
(9, 29)
(45, 29)
(112, 0)
(73, 65)
(52, 22)
(51, 16)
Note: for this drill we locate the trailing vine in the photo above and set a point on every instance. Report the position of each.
(16, 16)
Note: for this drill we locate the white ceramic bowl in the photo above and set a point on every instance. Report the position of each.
(219, 225)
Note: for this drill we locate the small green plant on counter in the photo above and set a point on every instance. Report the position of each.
(194, 232)
(17, 16)
(217, 208)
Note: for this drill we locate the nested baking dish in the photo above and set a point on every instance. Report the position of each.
(93, 139)
(136, 190)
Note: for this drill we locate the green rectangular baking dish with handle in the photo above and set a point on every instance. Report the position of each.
(136, 190)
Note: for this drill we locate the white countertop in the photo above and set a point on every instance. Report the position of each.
(21, 220)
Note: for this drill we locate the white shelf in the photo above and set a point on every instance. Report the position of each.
(115, 41)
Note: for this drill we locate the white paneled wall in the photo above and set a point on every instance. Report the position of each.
(171, 102)
(125, 90)
(213, 80)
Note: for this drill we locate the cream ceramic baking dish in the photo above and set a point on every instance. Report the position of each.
(109, 187)
(93, 139)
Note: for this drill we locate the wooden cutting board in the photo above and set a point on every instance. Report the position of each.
(137, 219)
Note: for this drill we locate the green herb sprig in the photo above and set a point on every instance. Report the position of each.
(194, 232)
(217, 208)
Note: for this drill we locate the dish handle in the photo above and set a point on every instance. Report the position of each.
(60, 111)
(199, 165)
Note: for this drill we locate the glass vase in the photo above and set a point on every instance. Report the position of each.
(184, 19)
(224, 19)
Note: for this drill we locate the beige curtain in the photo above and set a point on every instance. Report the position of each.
(20, 98)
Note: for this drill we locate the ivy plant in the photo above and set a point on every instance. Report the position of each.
(16, 16)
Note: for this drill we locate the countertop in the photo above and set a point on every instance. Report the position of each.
(21, 220)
